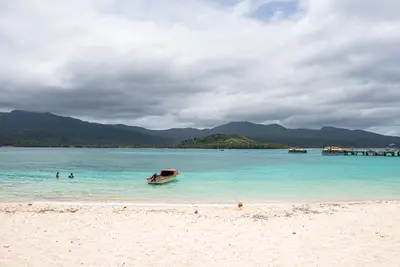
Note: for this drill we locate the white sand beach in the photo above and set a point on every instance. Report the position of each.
(345, 234)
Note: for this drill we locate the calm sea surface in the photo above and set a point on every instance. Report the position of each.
(28, 174)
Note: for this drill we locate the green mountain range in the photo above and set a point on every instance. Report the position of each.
(22, 128)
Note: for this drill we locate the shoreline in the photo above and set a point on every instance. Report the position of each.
(188, 204)
(215, 209)
(193, 203)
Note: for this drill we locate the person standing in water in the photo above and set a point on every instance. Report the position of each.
(58, 175)
(71, 176)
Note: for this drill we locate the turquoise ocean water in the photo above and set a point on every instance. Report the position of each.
(118, 175)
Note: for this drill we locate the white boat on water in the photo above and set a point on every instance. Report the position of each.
(297, 150)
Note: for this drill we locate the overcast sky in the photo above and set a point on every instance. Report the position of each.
(186, 63)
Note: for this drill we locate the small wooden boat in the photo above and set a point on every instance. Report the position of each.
(165, 176)
(297, 150)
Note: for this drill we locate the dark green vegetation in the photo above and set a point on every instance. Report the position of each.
(20, 128)
(227, 141)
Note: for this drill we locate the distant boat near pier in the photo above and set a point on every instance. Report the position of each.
(297, 150)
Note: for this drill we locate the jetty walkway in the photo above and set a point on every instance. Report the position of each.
(362, 152)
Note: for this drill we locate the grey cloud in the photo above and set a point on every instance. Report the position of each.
(372, 10)
(189, 69)
(132, 101)
(116, 89)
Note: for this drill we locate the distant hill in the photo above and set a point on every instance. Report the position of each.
(22, 128)
(300, 137)
(305, 137)
(233, 141)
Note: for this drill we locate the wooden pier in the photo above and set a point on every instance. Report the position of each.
(361, 152)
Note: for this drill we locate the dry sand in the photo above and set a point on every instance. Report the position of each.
(346, 234)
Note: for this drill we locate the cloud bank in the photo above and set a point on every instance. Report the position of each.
(162, 64)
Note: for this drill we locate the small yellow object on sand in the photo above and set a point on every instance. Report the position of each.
(240, 204)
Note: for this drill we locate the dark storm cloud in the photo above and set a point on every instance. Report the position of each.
(102, 99)
(115, 89)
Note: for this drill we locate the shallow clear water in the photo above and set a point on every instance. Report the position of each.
(206, 175)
